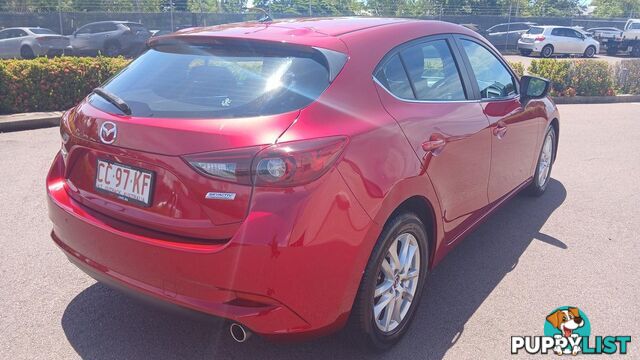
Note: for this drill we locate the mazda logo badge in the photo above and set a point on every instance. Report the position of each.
(108, 132)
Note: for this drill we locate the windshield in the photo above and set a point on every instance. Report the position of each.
(535, 30)
(225, 81)
(41, 31)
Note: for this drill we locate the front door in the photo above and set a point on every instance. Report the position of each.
(422, 88)
(514, 130)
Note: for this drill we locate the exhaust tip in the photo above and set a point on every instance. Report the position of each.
(239, 333)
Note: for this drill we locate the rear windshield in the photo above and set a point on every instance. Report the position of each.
(225, 81)
(535, 30)
(41, 31)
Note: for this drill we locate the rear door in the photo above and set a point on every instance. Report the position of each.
(514, 130)
(424, 87)
(562, 43)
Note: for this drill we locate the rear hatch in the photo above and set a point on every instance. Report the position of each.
(531, 34)
(166, 145)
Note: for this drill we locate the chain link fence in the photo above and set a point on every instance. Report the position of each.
(65, 16)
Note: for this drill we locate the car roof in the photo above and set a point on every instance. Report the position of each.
(319, 32)
(331, 26)
(111, 22)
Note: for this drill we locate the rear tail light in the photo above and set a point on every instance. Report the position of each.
(228, 165)
(540, 38)
(296, 162)
(280, 165)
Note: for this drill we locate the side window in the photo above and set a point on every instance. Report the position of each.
(493, 78)
(575, 34)
(557, 32)
(83, 30)
(4, 35)
(433, 71)
(394, 78)
(108, 27)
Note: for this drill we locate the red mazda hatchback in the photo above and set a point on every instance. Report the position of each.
(297, 176)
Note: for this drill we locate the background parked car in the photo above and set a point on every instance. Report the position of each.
(604, 32)
(110, 38)
(29, 42)
(507, 34)
(549, 40)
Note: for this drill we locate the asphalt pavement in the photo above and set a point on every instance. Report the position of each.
(576, 245)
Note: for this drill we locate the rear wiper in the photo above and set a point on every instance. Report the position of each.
(113, 99)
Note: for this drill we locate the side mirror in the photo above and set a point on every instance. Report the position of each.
(532, 87)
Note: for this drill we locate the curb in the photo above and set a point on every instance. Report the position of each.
(29, 121)
(596, 99)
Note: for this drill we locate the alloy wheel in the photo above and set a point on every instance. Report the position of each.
(546, 157)
(397, 282)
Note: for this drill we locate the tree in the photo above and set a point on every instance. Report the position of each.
(616, 8)
(555, 7)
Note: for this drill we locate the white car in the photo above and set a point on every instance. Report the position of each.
(29, 42)
(550, 40)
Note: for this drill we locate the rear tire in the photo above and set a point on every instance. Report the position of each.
(26, 52)
(525, 52)
(590, 52)
(635, 52)
(376, 287)
(545, 164)
(612, 50)
(547, 51)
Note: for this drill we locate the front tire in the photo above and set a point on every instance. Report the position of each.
(27, 53)
(590, 52)
(547, 51)
(545, 164)
(392, 284)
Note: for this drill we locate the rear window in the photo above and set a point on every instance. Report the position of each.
(225, 81)
(535, 30)
(41, 31)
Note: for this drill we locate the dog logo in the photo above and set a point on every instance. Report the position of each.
(567, 321)
(108, 132)
(567, 331)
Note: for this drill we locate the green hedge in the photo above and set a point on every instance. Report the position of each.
(627, 75)
(577, 77)
(46, 84)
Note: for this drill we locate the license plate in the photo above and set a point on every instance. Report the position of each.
(125, 182)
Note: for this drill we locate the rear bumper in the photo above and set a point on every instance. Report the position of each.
(282, 274)
(535, 47)
(44, 50)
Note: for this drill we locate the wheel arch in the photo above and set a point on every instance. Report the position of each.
(422, 207)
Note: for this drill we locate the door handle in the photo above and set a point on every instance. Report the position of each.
(434, 145)
(500, 131)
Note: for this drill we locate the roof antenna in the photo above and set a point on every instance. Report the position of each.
(265, 18)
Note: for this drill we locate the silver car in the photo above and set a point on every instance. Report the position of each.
(110, 38)
(29, 42)
(550, 40)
